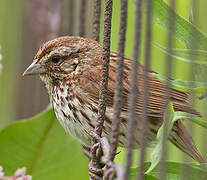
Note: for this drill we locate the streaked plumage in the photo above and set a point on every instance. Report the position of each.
(73, 85)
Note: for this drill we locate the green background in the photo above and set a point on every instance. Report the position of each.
(11, 42)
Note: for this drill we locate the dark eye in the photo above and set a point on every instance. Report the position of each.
(56, 59)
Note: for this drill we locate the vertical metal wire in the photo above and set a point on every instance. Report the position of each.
(134, 88)
(119, 79)
(71, 14)
(82, 16)
(104, 79)
(143, 118)
(96, 20)
(105, 65)
(168, 68)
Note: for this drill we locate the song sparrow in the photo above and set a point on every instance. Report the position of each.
(70, 67)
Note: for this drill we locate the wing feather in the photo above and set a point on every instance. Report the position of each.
(90, 82)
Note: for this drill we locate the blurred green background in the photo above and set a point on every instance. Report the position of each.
(25, 25)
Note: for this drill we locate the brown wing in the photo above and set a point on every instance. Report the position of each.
(90, 82)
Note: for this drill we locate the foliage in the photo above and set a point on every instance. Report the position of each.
(156, 155)
(41, 145)
(170, 116)
(175, 171)
(188, 34)
(187, 55)
(185, 31)
(183, 85)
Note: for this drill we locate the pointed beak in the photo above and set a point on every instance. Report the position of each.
(34, 69)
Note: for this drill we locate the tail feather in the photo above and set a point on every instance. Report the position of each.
(181, 138)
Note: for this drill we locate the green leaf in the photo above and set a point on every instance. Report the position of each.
(156, 154)
(186, 55)
(41, 145)
(170, 116)
(185, 31)
(191, 117)
(174, 170)
(177, 170)
(191, 16)
(182, 85)
(133, 175)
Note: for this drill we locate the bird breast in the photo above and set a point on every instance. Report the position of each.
(75, 116)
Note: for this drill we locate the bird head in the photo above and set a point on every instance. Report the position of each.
(64, 57)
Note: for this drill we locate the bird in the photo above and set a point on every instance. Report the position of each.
(70, 68)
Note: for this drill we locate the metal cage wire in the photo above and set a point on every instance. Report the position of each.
(78, 20)
(96, 160)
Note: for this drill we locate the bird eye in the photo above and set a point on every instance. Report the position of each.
(56, 59)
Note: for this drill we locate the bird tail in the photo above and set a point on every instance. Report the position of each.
(181, 138)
